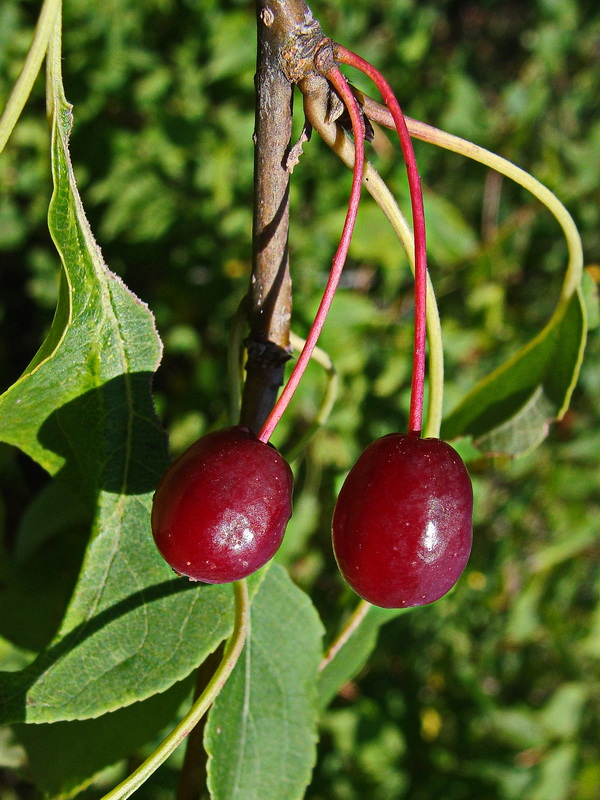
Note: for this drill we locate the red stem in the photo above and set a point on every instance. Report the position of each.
(335, 77)
(415, 419)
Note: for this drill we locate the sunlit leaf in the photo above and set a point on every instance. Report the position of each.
(83, 409)
(556, 773)
(561, 715)
(517, 727)
(510, 411)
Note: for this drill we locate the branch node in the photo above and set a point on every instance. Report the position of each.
(298, 54)
(324, 56)
(268, 353)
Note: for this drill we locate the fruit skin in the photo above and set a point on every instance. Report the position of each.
(402, 526)
(220, 510)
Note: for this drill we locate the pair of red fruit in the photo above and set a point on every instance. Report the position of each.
(402, 525)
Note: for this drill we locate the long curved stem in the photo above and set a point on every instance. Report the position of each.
(202, 704)
(416, 197)
(315, 108)
(428, 133)
(31, 67)
(335, 77)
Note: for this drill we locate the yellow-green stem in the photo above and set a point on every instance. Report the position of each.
(448, 141)
(33, 62)
(352, 624)
(427, 133)
(202, 704)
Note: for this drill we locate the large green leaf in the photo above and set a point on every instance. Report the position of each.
(509, 412)
(83, 410)
(261, 732)
(36, 590)
(62, 758)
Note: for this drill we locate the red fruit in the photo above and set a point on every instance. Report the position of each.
(220, 511)
(402, 526)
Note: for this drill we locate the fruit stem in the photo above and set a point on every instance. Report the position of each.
(316, 109)
(202, 704)
(335, 77)
(46, 27)
(415, 419)
(351, 626)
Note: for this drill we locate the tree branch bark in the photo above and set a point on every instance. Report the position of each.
(284, 28)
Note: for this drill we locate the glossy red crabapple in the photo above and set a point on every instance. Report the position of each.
(402, 526)
(221, 509)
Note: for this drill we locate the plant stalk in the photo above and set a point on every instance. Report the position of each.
(45, 27)
(232, 652)
(280, 26)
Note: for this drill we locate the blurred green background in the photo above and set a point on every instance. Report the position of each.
(493, 691)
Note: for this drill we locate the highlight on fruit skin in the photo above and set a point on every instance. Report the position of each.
(402, 526)
(221, 509)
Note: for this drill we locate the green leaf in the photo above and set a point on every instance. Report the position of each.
(261, 732)
(64, 757)
(36, 590)
(509, 412)
(57, 507)
(373, 239)
(561, 716)
(516, 728)
(353, 655)
(557, 771)
(83, 409)
(524, 624)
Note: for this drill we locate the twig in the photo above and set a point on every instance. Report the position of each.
(200, 707)
(284, 31)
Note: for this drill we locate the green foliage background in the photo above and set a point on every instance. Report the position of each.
(493, 691)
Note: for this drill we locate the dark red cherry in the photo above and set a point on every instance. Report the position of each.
(220, 511)
(402, 526)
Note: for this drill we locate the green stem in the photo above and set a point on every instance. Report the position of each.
(316, 109)
(31, 67)
(55, 91)
(202, 704)
(387, 203)
(352, 624)
(428, 133)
